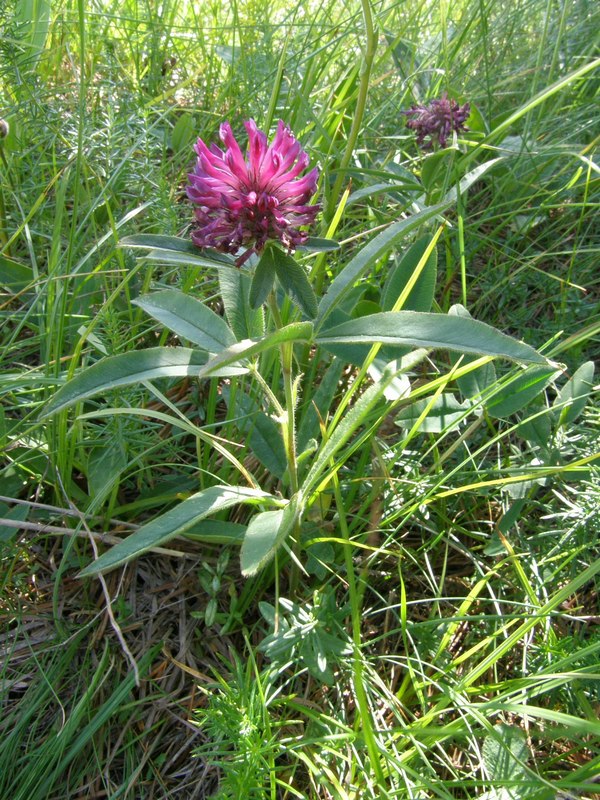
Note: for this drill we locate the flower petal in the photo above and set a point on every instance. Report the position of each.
(247, 201)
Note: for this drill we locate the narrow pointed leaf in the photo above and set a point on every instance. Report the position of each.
(421, 294)
(322, 400)
(444, 414)
(173, 523)
(183, 132)
(294, 281)
(295, 332)
(348, 426)
(151, 241)
(520, 391)
(421, 329)
(246, 322)
(127, 369)
(536, 428)
(472, 177)
(262, 432)
(203, 258)
(314, 244)
(504, 750)
(263, 279)
(265, 534)
(575, 394)
(381, 188)
(176, 249)
(217, 531)
(104, 467)
(14, 275)
(369, 255)
(188, 318)
(260, 540)
(473, 384)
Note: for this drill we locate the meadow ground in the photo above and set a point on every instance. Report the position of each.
(415, 611)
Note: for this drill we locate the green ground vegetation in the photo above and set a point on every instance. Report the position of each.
(433, 632)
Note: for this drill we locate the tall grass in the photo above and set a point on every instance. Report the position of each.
(440, 639)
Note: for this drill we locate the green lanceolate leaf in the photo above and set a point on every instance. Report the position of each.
(33, 18)
(130, 368)
(17, 514)
(322, 400)
(375, 189)
(245, 322)
(263, 279)
(294, 281)
(105, 465)
(536, 427)
(348, 426)
(421, 329)
(314, 244)
(504, 751)
(575, 394)
(260, 540)
(420, 297)
(369, 255)
(444, 414)
(188, 318)
(472, 177)
(173, 523)
(14, 275)
(183, 132)
(175, 250)
(473, 384)
(518, 392)
(262, 432)
(151, 241)
(217, 531)
(435, 165)
(295, 332)
(265, 534)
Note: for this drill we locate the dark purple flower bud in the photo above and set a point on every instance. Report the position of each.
(437, 120)
(244, 201)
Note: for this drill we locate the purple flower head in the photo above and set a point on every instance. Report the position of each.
(245, 201)
(437, 120)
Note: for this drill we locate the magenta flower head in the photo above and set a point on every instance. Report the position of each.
(245, 201)
(437, 120)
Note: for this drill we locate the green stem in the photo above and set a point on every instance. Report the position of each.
(3, 219)
(288, 421)
(288, 429)
(331, 203)
(364, 719)
(287, 352)
(274, 309)
(460, 211)
(365, 74)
